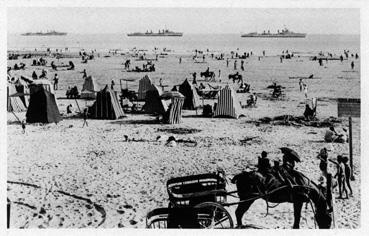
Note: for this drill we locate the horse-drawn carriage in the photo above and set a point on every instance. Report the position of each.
(194, 202)
(199, 201)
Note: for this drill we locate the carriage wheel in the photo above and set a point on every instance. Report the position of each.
(218, 218)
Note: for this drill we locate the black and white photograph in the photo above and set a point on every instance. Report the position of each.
(158, 117)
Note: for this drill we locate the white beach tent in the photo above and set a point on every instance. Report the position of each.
(228, 104)
(90, 88)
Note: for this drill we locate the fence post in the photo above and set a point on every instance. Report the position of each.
(350, 149)
(8, 213)
(329, 197)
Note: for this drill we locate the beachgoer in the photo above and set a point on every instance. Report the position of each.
(180, 60)
(340, 175)
(352, 65)
(23, 126)
(34, 75)
(263, 163)
(305, 90)
(56, 80)
(281, 58)
(235, 65)
(85, 115)
(347, 171)
(263, 53)
(69, 109)
(300, 84)
(194, 78)
(219, 73)
(227, 61)
(242, 62)
(84, 73)
(112, 85)
(330, 135)
(203, 58)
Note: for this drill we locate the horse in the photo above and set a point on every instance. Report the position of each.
(235, 77)
(127, 64)
(253, 183)
(207, 74)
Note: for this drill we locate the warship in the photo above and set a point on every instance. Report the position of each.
(162, 33)
(48, 33)
(284, 33)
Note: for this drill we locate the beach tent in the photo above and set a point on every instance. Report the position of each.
(14, 101)
(106, 105)
(228, 104)
(42, 105)
(153, 102)
(90, 88)
(174, 113)
(192, 99)
(144, 85)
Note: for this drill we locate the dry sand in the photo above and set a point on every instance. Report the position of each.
(91, 177)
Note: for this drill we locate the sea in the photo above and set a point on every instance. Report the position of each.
(312, 44)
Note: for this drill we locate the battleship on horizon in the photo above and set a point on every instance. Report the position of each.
(48, 33)
(284, 33)
(160, 33)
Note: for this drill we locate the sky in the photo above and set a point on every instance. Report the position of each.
(187, 20)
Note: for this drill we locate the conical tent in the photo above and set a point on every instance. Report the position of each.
(153, 103)
(106, 105)
(192, 99)
(228, 104)
(144, 85)
(90, 88)
(42, 105)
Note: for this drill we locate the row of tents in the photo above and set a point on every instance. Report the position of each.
(42, 107)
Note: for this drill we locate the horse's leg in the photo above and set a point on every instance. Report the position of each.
(297, 206)
(240, 211)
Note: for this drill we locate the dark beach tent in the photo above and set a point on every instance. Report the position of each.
(144, 85)
(228, 104)
(42, 105)
(153, 102)
(192, 99)
(90, 88)
(106, 105)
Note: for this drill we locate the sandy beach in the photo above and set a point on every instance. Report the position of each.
(65, 176)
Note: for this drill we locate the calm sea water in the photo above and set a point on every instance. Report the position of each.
(189, 42)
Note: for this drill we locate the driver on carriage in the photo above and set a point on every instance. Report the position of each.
(207, 70)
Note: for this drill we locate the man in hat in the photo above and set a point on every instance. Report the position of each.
(263, 163)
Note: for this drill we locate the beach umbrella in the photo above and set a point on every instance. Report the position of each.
(171, 94)
(291, 153)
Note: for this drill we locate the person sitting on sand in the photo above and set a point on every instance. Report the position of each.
(43, 74)
(34, 75)
(263, 163)
(330, 135)
(69, 109)
(53, 66)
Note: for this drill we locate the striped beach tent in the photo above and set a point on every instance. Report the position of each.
(90, 88)
(144, 85)
(106, 105)
(228, 104)
(174, 112)
(192, 99)
(14, 102)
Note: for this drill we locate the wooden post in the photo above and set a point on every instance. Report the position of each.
(350, 149)
(329, 197)
(78, 106)
(8, 214)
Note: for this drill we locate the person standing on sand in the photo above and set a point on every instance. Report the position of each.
(281, 58)
(242, 62)
(56, 80)
(112, 85)
(180, 60)
(347, 171)
(352, 65)
(227, 61)
(235, 65)
(84, 74)
(23, 126)
(203, 58)
(301, 84)
(219, 74)
(306, 90)
(263, 53)
(194, 78)
(85, 115)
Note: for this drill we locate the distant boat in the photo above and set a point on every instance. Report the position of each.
(162, 33)
(48, 33)
(285, 33)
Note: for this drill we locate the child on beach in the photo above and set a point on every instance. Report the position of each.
(85, 114)
(340, 175)
(347, 171)
(23, 126)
